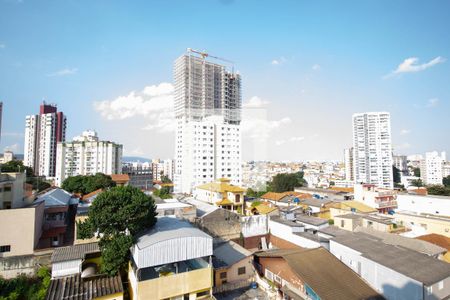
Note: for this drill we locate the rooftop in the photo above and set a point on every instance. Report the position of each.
(166, 229)
(120, 178)
(222, 185)
(412, 264)
(310, 220)
(286, 222)
(56, 197)
(324, 273)
(358, 206)
(278, 196)
(74, 287)
(230, 253)
(436, 239)
(203, 208)
(74, 252)
(398, 240)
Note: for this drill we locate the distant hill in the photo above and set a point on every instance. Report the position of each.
(135, 158)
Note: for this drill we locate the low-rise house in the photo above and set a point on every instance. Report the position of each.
(345, 207)
(120, 179)
(331, 194)
(438, 240)
(376, 222)
(421, 224)
(290, 234)
(255, 232)
(222, 194)
(173, 260)
(12, 190)
(285, 198)
(232, 264)
(394, 271)
(75, 259)
(264, 208)
(311, 274)
(59, 217)
(216, 221)
(384, 200)
(424, 204)
(316, 207)
(75, 275)
(176, 209)
(311, 222)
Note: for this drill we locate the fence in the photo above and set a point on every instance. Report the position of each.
(229, 286)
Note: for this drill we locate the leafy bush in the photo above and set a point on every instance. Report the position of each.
(24, 287)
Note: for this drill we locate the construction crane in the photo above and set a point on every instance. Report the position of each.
(204, 55)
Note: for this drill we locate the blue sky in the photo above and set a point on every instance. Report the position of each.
(306, 65)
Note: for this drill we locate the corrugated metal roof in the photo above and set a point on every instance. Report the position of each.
(74, 252)
(325, 274)
(56, 197)
(76, 288)
(412, 264)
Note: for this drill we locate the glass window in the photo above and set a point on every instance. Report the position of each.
(241, 271)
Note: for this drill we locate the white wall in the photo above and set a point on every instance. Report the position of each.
(424, 204)
(390, 283)
(286, 232)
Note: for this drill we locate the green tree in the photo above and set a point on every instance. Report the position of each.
(165, 179)
(87, 184)
(163, 193)
(254, 194)
(417, 182)
(284, 182)
(446, 181)
(438, 190)
(16, 166)
(416, 172)
(396, 174)
(117, 216)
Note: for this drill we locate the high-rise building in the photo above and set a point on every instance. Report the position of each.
(431, 168)
(401, 163)
(372, 149)
(42, 133)
(348, 164)
(207, 111)
(87, 155)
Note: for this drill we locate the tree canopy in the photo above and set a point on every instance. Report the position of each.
(438, 190)
(284, 182)
(396, 174)
(87, 184)
(117, 216)
(17, 166)
(417, 182)
(416, 172)
(446, 181)
(163, 193)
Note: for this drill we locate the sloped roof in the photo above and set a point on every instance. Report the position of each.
(91, 195)
(412, 264)
(74, 287)
(56, 197)
(265, 209)
(358, 206)
(436, 239)
(74, 252)
(398, 240)
(166, 229)
(324, 273)
(221, 186)
(230, 253)
(278, 196)
(120, 178)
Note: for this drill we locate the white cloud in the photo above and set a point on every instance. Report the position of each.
(433, 102)
(411, 65)
(63, 72)
(255, 102)
(2, 46)
(14, 148)
(257, 126)
(278, 61)
(154, 103)
(405, 131)
(316, 67)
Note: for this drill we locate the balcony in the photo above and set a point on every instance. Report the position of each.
(384, 204)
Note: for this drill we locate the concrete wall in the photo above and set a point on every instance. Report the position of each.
(221, 223)
(20, 228)
(424, 204)
(285, 232)
(254, 225)
(11, 267)
(346, 223)
(173, 285)
(429, 224)
(390, 283)
(232, 272)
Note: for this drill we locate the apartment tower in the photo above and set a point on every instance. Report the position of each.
(42, 133)
(372, 149)
(207, 112)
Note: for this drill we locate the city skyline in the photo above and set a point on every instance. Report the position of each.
(306, 87)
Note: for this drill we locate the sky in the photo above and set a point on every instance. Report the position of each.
(306, 67)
